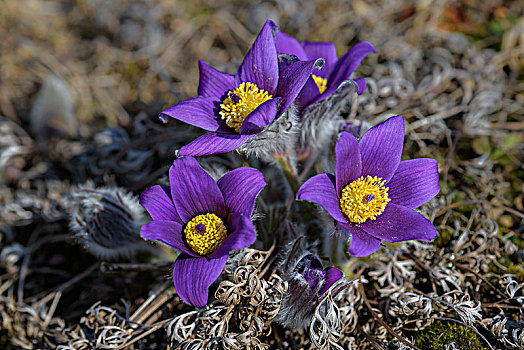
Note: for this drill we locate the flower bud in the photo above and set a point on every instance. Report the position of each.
(308, 283)
(106, 221)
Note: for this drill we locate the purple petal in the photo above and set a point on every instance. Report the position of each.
(168, 232)
(288, 45)
(362, 85)
(325, 50)
(347, 64)
(292, 79)
(346, 84)
(240, 188)
(414, 183)
(214, 143)
(262, 116)
(348, 165)
(214, 83)
(308, 93)
(260, 66)
(197, 111)
(398, 223)
(158, 203)
(194, 191)
(193, 276)
(241, 235)
(362, 244)
(332, 275)
(381, 148)
(320, 189)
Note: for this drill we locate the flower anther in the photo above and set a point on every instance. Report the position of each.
(240, 102)
(205, 233)
(364, 199)
(321, 83)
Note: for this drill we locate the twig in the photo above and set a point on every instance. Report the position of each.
(466, 325)
(452, 320)
(384, 324)
(65, 285)
(460, 266)
(159, 296)
(107, 267)
(485, 202)
(154, 328)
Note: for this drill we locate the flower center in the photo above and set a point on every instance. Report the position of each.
(363, 199)
(205, 233)
(321, 83)
(240, 102)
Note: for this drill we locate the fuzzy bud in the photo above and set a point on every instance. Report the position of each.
(322, 120)
(308, 283)
(106, 221)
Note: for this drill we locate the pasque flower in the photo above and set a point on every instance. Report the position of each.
(372, 194)
(203, 219)
(324, 82)
(106, 221)
(237, 107)
(308, 283)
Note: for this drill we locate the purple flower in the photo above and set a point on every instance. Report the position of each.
(372, 194)
(308, 284)
(335, 71)
(237, 107)
(203, 219)
(318, 279)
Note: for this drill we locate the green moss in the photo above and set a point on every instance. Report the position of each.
(441, 333)
(444, 236)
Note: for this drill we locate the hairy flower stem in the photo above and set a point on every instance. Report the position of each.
(289, 171)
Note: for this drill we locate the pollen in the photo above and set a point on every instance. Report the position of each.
(321, 83)
(364, 199)
(205, 233)
(240, 102)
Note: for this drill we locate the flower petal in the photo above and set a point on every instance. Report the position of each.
(292, 79)
(241, 235)
(398, 223)
(381, 148)
(260, 66)
(347, 64)
(362, 244)
(240, 188)
(320, 189)
(214, 143)
(158, 203)
(288, 45)
(262, 116)
(332, 275)
(307, 94)
(214, 83)
(193, 276)
(194, 191)
(168, 232)
(325, 50)
(414, 183)
(197, 111)
(362, 85)
(348, 165)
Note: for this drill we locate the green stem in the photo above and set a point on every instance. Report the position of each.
(289, 172)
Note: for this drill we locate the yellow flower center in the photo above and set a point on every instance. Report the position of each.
(321, 83)
(240, 102)
(363, 199)
(205, 233)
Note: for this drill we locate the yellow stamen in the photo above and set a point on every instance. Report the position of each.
(240, 102)
(205, 233)
(363, 199)
(321, 83)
